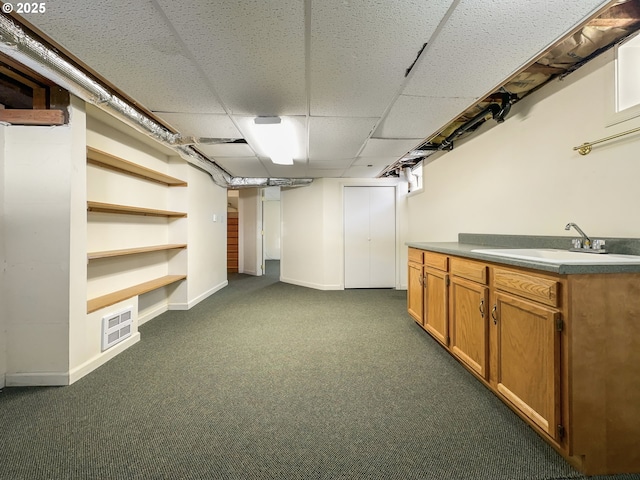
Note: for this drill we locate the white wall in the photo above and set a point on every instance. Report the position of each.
(522, 176)
(41, 164)
(271, 224)
(207, 239)
(3, 313)
(312, 241)
(78, 235)
(249, 237)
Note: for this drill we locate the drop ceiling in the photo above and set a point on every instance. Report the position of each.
(347, 72)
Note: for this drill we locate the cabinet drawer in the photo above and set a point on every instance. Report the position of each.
(415, 255)
(468, 269)
(436, 260)
(539, 289)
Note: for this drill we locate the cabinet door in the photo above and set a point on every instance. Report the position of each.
(415, 292)
(470, 324)
(529, 359)
(436, 300)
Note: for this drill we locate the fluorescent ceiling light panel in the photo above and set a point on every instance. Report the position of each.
(276, 138)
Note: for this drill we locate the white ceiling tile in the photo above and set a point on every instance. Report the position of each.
(243, 166)
(134, 48)
(334, 137)
(375, 161)
(226, 150)
(420, 117)
(331, 164)
(204, 59)
(362, 172)
(201, 125)
(484, 43)
(360, 52)
(322, 173)
(252, 51)
(378, 147)
(298, 170)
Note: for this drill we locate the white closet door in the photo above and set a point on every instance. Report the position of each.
(369, 237)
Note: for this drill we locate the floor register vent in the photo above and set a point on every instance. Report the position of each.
(116, 327)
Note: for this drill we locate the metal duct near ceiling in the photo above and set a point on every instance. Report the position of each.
(17, 43)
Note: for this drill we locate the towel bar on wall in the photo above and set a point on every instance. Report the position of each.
(585, 148)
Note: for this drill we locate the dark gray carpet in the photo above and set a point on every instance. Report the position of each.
(269, 380)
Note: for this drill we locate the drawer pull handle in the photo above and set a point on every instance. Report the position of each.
(482, 308)
(493, 314)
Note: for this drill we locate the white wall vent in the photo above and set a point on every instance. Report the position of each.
(116, 327)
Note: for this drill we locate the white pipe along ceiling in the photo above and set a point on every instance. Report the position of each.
(362, 83)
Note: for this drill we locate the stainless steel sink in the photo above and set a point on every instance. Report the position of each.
(550, 255)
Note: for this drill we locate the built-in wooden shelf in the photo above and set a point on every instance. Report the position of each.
(134, 251)
(106, 160)
(129, 210)
(112, 298)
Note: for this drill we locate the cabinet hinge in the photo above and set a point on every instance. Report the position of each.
(560, 431)
(559, 324)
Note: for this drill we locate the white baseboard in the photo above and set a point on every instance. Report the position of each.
(208, 293)
(58, 379)
(38, 379)
(90, 365)
(193, 302)
(144, 318)
(317, 286)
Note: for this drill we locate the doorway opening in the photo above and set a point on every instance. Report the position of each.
(271, 231)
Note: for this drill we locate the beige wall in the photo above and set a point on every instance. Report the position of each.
(40, 165)
(3, 313)
(519, 177)
(271, 224)
(312, 252)
(249, 237)
(207, 239)
(522, 176)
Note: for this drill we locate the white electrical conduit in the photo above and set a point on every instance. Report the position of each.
(16, 43)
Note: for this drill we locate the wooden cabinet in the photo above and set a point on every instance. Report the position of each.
(527, 346)
(562, 351)
(427, 298)
(528, 360)
(415, 289)
(436, 304)
(469, 315)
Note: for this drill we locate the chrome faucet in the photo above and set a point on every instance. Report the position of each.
(586, 241)
(585, 244)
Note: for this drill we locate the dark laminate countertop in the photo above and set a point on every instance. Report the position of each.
(471, 241)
